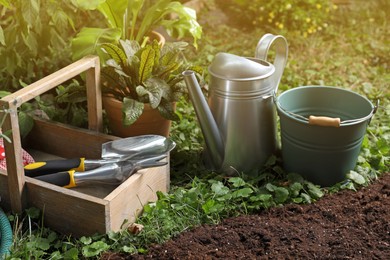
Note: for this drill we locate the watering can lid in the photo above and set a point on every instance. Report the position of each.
(231, 66)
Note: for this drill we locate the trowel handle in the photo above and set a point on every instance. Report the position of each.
(65, 179)
(280, 61)
(47, 167)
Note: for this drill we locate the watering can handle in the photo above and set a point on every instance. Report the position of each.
(281, 47)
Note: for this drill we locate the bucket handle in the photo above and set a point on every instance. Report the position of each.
(330, 121)
(281, 48)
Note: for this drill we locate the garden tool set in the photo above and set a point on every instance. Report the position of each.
(120, 159)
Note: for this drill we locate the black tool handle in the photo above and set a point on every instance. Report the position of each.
(64, 179)
(48, 167)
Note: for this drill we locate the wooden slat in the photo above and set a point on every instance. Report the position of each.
(14, 157)
(66, 141)
(94, 97)
(127, 201)
(68, 211)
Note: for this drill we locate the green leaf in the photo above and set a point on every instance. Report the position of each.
(88, 4)
(153, 88)
(237, 182)
(294, 177)
(356, 177)
(4, 93)
(26, 123)
(57, 255)
(383, 146)
(219, 189)
(42, 243)
(166, 71)
(88, 40)
(116, 53)
(348, 185)
(212, 206)
(5, 3)
(167, 110)
(95, 249)
(130, 48)
(131, 111)
(146, 63)
(71, 254)
(135, 7)
(270, 187)
(31, 42)
(52, 237)
(264, 197)
(2, 38)
(113, 80)
(156, 47)
(281, 194)
(315, 191)
(129, 249)
(297, 200)
(242, 193)
(306, 198)
(156, 15)
(86, 240)
(30, 11)
(114, 11)
(33, 213)
(295, 188)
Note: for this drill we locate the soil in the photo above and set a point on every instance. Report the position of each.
(344, 225)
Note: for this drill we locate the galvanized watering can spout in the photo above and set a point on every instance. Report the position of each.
(206, 120)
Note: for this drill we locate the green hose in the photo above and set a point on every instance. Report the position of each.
(5, 234)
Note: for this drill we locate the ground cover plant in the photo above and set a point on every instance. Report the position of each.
(352, 53)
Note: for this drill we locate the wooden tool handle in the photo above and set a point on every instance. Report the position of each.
(324, 121)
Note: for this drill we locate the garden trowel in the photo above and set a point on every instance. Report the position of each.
(138, 147)
(110, 173)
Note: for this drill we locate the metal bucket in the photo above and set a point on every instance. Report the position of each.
(322, 149)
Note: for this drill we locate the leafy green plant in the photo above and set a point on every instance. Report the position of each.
(67, 105)
(151, 74)
(133, 20)
(34, 39)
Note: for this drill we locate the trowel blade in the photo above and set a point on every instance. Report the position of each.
(137, 147)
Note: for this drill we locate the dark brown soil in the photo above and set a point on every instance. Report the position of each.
(345, 225)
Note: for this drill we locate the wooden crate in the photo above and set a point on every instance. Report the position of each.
(81, 210)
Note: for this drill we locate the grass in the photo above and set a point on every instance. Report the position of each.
(351, 53)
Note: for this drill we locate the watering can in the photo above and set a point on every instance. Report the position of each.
(239, 120)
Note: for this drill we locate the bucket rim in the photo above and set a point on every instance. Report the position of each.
(305, 120)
